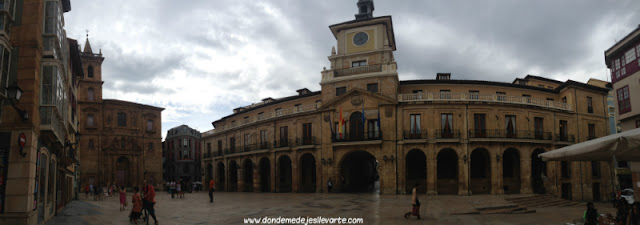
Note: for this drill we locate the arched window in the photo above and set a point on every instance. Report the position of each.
(90, 94)
(90, 72)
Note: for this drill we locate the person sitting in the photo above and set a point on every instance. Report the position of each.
(591, 215)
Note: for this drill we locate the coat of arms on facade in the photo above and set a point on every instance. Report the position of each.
(356, 99)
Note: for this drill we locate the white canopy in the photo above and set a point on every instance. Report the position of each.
(624, 146)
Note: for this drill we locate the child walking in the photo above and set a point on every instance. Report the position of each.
(123, 198)
(136, 209)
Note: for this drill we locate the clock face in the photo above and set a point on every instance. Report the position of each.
(360, 38)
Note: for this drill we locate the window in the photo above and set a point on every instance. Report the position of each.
(564, 99)
(359, 63)
(91, 144)
(263, 139)
(5, 21)
(232, 144)
(372, 87)
(445, 94)
(122, 119)
(415, 124)
(550, 99)
(563, 130)
(624, 101)
(260, 115)
(373, 129)
(510, 126)
(479, 127)
(638, 51)
(90, 96)
(541, 85)
(538, 126)
(592, 131)
(595, 169)
(247, 141)
(637, 123)
(341, 90)
(90, 122)
(284, 136)
(279, 112)
(630, 55)
(501, 96)
(417, 94)
(617, 64)
(306, 134)
(527, 98)
(149, 125)
(90, 71)
(209, 147)
(589, 105)
(446, 124)
(185, 142)
(151, 147)
(219, 146)
(474, 94)
(4, 73)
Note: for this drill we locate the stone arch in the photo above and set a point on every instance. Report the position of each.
(538, 172)
(265, 174)
(233, 175)
(511, 171)
(416, 170)
(356, 126)
(307, 173)
(220, 178)
(247, 166)
(285, 180)
(447, 170)
(480, 171)
(359, 172)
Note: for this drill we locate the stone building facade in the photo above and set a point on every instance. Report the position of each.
(122, 140)
(38, 151)
(367, 131)
(183, 155)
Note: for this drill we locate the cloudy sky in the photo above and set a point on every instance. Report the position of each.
(200, 59)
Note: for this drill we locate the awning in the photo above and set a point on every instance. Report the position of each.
(624, 146)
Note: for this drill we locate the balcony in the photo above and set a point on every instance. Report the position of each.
(266, 116)
(566, 138)
(306, 141)
(50, 122)
(248, 147)
(415, 134)
(264, 145)
(515, 134)
(492, 98)
(282, 143)
(357, 70)
(218, 153)
(366, 136)
(206, 155)
(447, 134)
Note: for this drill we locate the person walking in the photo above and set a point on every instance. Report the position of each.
(136, 209)
(173, 188)
(123, 198)
(179, 188)
(329, 185)
(415, 203)
(86, 191)
(149, 195)
(212, 187)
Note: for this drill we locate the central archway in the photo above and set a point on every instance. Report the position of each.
(284, 174)
(265, 175)
(447, 165)
(122, 172)
(248, 176)
(480, 171)
(307, 173)
(233, 176)
(220, 178)
(511, 171)
(416, 171)
(360, 172)
(538, 172)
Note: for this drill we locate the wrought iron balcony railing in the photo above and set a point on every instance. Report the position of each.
(415, 134)
(306, 141)
(565, 137)
(264, 145)
(282, 143)
(515, 134)
(445, 134)
(482, 98)
(365, 136)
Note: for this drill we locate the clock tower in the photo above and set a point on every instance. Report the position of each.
(363, 56)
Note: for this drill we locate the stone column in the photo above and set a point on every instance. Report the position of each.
(463, 184)
(240, 179)
(496, 175)
(295, 173)
(525, 172)
(432, 171)
(256, 177)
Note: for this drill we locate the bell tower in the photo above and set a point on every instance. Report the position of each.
(363, 56)
(365, 9)
(90, 88)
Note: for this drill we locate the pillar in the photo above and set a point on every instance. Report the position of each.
(525, 172)
(432, 171)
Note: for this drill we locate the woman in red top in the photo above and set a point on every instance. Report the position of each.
(123, 198)
(137, 206)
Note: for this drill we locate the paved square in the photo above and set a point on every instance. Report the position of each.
(232, 208)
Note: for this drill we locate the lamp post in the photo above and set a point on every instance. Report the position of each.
(14, 93)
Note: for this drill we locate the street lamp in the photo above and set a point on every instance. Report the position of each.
(14, 93)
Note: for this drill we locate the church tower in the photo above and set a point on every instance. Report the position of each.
(90, 88)
(363, 56)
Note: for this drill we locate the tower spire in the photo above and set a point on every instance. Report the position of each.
(365, 9)
(87, 46)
